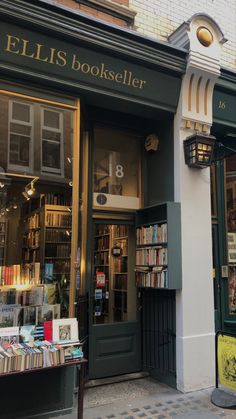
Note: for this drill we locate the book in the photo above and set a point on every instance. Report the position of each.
(48, 312)
(65, 330)
(7, 315)
(9, 334)
(27, 333)
(48, 330)
(29, 315)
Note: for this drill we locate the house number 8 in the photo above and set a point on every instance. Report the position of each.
(119, 171)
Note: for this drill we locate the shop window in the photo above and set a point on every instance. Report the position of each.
(116, 173)
(36, 237)
(231, 230)
(52, 141)
(20, 135)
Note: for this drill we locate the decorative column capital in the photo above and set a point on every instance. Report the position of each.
(203, 38)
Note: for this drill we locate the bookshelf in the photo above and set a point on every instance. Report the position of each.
(102, 247)
(158, 247)
(114, 254)
(47, 240)
(120, 272)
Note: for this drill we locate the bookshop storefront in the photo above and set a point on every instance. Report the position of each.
(86, 144)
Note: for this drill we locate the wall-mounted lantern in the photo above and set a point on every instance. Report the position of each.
(199, 150)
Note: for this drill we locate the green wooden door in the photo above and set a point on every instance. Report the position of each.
(114, 345)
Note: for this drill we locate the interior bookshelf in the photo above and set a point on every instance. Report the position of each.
(158, 247)
(112, 261)
(47, 239)
(102, 247)
(120, 272)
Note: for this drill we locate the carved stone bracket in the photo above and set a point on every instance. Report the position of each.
(203, 38)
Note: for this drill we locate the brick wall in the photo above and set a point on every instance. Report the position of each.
(95, 12)
(158, 18)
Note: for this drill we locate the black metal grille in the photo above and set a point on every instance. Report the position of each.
(158, 334)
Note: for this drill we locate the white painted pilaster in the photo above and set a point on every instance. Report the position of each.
(195, 304)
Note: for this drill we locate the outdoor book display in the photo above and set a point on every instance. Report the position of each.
(158, 247)
(36, 335)
(25, 350)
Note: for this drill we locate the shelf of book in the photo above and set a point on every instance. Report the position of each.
(158, 250)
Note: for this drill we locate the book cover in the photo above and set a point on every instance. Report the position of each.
(48, 273)
(27, 333)
(45, 313)
(29, 316)
(50, 293)
(48, 330)
(7, 315)
(65, 330)
(9, 335)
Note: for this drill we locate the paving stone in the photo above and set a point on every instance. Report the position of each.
(142, 415)
(135, 410)
(124, 413)
(110, 416)
(147, 407)
(154, 411)
(129, 417)
(158, 404)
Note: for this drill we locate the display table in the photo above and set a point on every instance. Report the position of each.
(44, 381)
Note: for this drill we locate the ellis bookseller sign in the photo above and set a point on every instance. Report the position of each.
(46, 55)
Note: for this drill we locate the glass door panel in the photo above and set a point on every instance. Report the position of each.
(114, 291)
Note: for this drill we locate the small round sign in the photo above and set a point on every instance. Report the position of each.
(116, 251)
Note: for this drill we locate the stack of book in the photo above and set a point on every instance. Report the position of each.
(38, 354)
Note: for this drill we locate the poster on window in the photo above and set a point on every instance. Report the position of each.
(231, 247)
(232, 291)
(100, 279)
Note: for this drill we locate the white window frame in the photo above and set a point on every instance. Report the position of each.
(46, 169)
(18, 167)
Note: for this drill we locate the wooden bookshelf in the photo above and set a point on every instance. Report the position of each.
(158, 247)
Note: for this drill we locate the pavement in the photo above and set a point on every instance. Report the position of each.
(148, 399)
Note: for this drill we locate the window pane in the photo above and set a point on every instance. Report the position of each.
(231, 227)
(116, 164)
(20, 112)
(51, 119)
(19, 150)
(51, 154)
(50, 135)
(20, 129)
